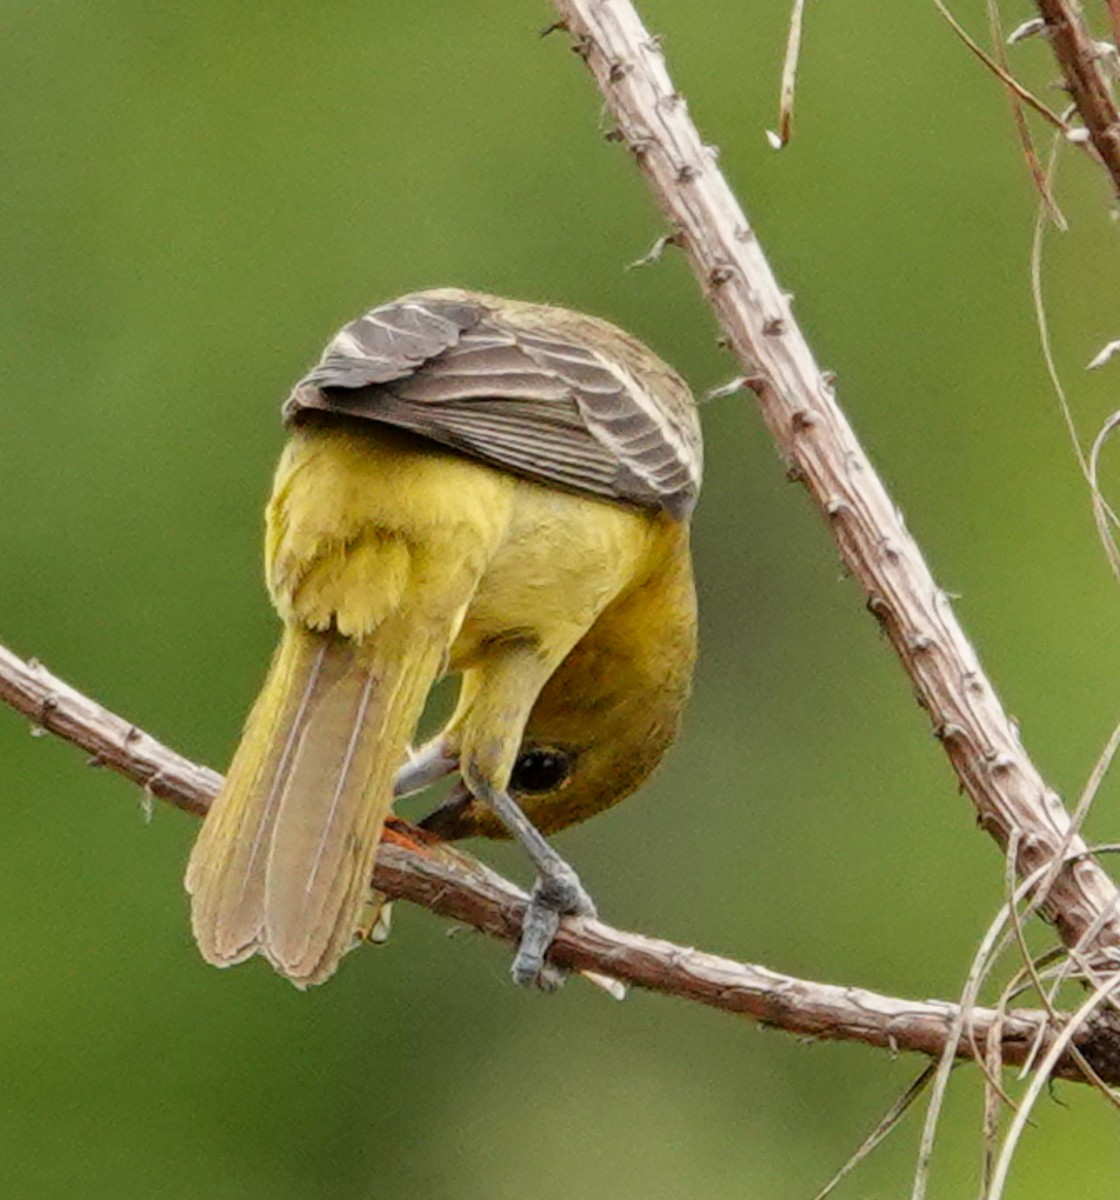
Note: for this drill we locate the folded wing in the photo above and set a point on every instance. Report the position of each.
(560, 409)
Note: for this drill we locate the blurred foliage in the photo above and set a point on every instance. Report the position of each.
(194, 197)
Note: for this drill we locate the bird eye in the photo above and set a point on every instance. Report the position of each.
(540, 770)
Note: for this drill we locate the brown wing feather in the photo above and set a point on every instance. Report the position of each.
(545, 405)
(391, 342)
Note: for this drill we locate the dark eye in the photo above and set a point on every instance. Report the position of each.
(540, 770)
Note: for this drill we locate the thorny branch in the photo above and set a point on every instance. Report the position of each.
(798, 403)
(455, 885)
(1080, 58)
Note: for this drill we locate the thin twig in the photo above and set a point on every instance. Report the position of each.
(1041, 1076)
(1009, 80)
(886, 1125)
(986, 955)
(1022, 129)
(781, 136)
(1048, 998)
(993, 1092)
(1075, 958)
(1103, 513)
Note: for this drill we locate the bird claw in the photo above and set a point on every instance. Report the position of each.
(557, 894)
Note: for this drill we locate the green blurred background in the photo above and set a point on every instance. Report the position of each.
(194, 196)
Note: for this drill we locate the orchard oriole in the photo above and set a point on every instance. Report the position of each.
(478, 485)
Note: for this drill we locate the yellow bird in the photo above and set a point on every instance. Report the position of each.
(475, 485)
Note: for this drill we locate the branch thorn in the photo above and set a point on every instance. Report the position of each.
(656, 251)
(726, 389)
(1107, 353)
(1028, 29)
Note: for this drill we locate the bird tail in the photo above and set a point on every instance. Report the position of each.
(283, 864)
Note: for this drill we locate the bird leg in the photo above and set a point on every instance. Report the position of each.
(431, 763)
(487, 729)
(556, 893)
(557, 890)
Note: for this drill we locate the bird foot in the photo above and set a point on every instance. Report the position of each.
(554, 895)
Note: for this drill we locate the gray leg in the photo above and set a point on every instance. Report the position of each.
(556, 893)
(426, 766)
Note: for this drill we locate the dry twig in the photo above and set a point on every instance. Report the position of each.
(1022, 129)
(1014, 87)
(1084, 1014)
(781, 136)
(885, 1126)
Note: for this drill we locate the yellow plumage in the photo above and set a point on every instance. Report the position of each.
(391, 559)
(388, 559)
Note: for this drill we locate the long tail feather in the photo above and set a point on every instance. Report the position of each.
(227, 867)
(336, 799)
(283, 864)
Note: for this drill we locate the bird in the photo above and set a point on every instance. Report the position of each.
(477, 486)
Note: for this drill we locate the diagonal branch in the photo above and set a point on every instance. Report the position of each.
(1080, 60)
(799, 405)
(455, 885)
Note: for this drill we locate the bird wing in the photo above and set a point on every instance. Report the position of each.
(538, 402)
